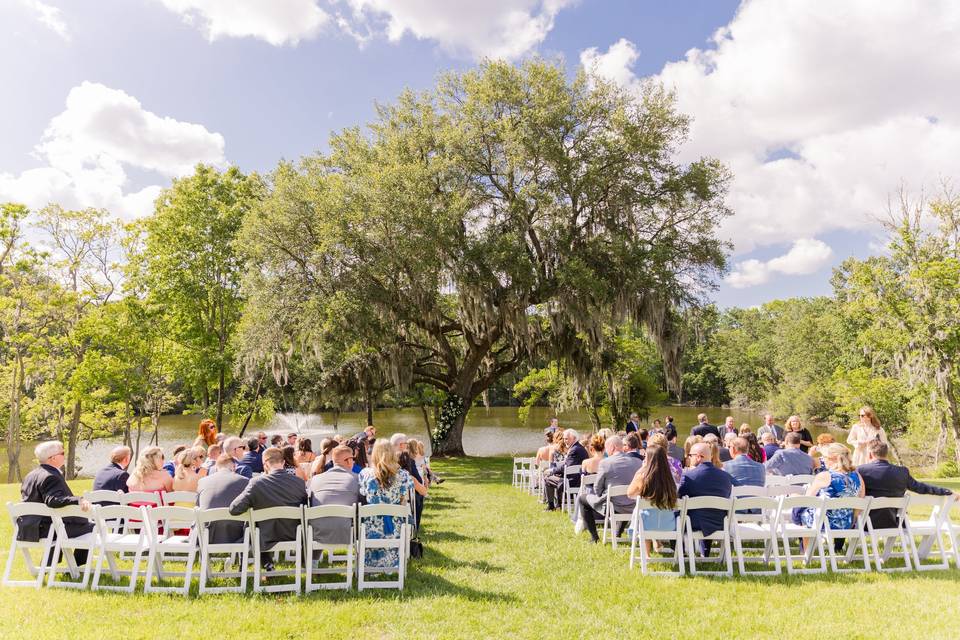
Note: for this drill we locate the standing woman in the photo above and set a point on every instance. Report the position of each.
(864, 432)
(806, 438)
(208, 431)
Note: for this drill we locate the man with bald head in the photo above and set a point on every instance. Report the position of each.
(704, 479)
(113, 477)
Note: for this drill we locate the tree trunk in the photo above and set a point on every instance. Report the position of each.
(954, 416)
(253, 406)
(13, 426)
(368, 401)
(449, 431)
(155, 423)
(220, 391)
(136, 451)
(72, 433)
(336, 418)
(426, 421)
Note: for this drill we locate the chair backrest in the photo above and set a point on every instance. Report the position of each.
(708, 502)
(769, 506)
(748, 490)
(170, 498)
(276, 513)
(221, 514)
(169, 518)
(900, 505)
(110, 518)
(775, 481)
(588, 480)
(800, 478)
(18, 509)
(395, 510)
(345, 512)
(148, 497)
(571, 470)
(848, 502)
(102, 495)
(784, 490)
(617, 490)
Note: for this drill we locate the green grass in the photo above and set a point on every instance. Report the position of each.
(497, 566)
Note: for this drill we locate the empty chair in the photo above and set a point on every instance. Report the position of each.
(616, 523)
(115, 539)
(518, 468)
(258, 518)
(721, 535)
(890, 536)
(103, 496)
(172, 538)
(383, 553)
(809, 536)
(527, 474)
(65, 546)
(337, 550)
(43, 545)
(569, 493)
(180, 498)
(762, 526)
(930, 531)
(216, 541)
(852, 511)
(641, 536)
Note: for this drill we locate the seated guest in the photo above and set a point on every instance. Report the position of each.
(188, 471)
(884, 480)
(323, 461)
(688, 446)
(292, 440)
(575, 456)
(340, 486)
(654, 483)
(644, 434)
(755, 451)
(149, 473)
(823, 440)
(744, 429)
(596, 450)
(400, 444)
(359, 456)
(840, 480)
(46, 485)
(769, 443)
(703, 427)
(723, 453)
(727, 439)
(113, 477)
(676, 466)
(790, 461)
(236, 449)
(219, 491)
(545, 453)
(674, 450)
(213, 452)
(617, 470)
(384, 482)
(305, 454)
(276, 487)
(290, 462)
(276, 440)
(170, 466)
(742, 468)
(704, 479)
(253, 456)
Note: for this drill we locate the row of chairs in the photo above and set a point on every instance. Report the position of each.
(166, 535)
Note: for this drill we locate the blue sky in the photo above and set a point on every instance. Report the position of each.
(155, 85)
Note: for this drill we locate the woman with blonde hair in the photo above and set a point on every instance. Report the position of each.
(863, 433)
(806, 438)
(319, 464)
(187, 471)
(595, 449)
(687, 445)
(840, 480)
(148, 473)
(384, 482)
(744, 429)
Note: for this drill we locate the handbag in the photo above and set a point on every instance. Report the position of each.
(416, 548)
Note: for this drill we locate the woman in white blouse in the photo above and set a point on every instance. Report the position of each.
(863, 432)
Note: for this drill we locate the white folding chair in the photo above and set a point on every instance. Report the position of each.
(168, 544)
(296, 546)
(527, 474)
(640, 536)
(762, 526)
(799, 479)
(855, 537)
(335, 552)
(116, 540)
(776, 491)
(612, 520)
(812, 535)
(65, 546)
(517, 472)
(775, 480)
(890, 535)
(952, 529)
(748, 490)
(586, 484)
(208, 550)
(138, 499)
(721, 535)
(401, 515)
(44, 545)
(569, 493)
(102, 496)
(179, 498)
(930, 531)
(539, 475)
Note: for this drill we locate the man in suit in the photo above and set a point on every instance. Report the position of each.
(339, 485)
(46, 485)
(277, 487)
(253, 457)
(728, 427)
(616, 470)
(704, 479)
(113, 477)
(576, 454)
(791, 460)
(703, 427)
(634, 424)
(218, 491)
(237, 449)
(744, 470)
(884, 480)
(770, 427)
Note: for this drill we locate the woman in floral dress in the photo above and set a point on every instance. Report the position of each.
(384, 482)
(840, 480)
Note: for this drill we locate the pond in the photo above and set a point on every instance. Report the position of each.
(488, 432)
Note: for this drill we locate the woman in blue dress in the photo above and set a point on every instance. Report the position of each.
(384, 482)
(840, 480)
(654, 483)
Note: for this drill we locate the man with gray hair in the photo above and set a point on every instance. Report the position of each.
(616, 470)
(46, 485)
(113, 477)
(236, 449)
(576, 454)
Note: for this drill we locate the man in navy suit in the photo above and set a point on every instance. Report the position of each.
(634, 424)
(576, 454)
(884, 480)
(113, 477)
(704, 479)
(703, 427)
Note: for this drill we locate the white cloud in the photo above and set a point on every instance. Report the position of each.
(820, 113)
(49, 16)
(806, 256)
(278, 22)
(86, 147)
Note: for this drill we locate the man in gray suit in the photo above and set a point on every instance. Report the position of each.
(276, 487)
(218, 491)
(616, 470)
(338, 485)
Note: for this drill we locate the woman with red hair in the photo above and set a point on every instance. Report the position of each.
(208, 431)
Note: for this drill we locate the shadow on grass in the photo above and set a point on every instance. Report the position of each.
(429, 535)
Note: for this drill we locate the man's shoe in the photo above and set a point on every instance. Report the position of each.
(550, 507)
(440, 480)
(268, 566)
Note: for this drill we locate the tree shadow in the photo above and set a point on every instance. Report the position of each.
(430, 535)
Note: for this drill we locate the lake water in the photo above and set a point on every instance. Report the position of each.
(488, 432)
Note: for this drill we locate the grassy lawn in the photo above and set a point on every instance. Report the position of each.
(497, 566)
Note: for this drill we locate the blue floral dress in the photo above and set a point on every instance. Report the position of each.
(383, 526)
(842, 485)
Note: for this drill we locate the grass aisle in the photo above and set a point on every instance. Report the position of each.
(496, 565)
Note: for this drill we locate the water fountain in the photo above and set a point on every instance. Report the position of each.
(303, 424)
